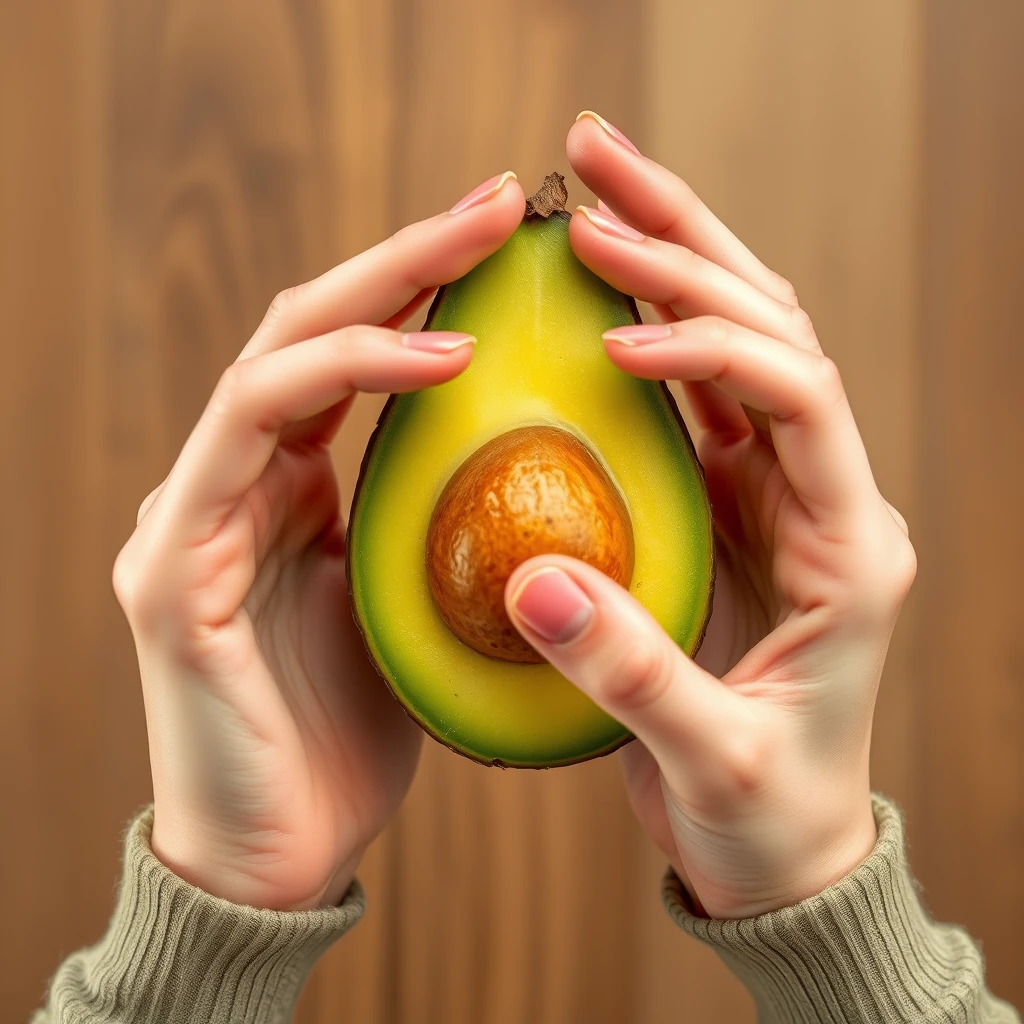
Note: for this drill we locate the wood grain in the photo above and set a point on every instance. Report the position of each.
(68, 741)
(168, 167)
(969, 651)
(800, 124)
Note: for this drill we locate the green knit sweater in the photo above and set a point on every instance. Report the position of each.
(864, 950)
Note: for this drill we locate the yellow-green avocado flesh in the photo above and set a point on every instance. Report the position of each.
(538, 315)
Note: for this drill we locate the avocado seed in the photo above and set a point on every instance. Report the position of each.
(531, 491)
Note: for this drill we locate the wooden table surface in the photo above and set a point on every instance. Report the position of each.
(166, 168)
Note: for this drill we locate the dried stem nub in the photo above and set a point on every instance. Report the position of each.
(549, 198)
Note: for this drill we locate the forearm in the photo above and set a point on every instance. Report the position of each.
(864, 951)
(173, 953)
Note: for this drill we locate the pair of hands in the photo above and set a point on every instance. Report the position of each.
(277, 752)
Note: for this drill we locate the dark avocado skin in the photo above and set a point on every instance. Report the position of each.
(395, 493)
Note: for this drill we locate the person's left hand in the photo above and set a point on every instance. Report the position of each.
(277, 752)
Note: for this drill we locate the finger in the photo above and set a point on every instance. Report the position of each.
(653, 199)
(667, 274)
(375, 285)
(409, 310)
(713, 411)
(321, 428)
(812, 426)
(293, 504)
(257, 398)
(608, 645)
(318, 429)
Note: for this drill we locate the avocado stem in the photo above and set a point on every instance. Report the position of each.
(550, 198)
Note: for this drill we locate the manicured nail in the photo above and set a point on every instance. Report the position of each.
(605, 208)
(610, 225)
(638, 334)
(610, 129)
(437, 341)
(483, 192)
(552, 605)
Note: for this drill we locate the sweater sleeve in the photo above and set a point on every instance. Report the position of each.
(864, 951)
(174, 953)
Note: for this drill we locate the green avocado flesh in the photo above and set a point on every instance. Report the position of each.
(538, 315)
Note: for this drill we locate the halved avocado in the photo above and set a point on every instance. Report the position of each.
(539, 367)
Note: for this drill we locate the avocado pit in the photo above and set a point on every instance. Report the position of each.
(531, 491)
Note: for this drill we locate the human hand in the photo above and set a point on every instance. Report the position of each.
(277, 752)
(751, 767)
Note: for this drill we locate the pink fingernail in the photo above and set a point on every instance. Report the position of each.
(483, 192)
(552, 605)
(438, 342)
(610, 129)
(638, 334)
(611, 225)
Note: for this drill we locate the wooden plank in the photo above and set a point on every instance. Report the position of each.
(969, 651)
(799, 123)
(63, 806)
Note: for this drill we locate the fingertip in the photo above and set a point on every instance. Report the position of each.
(549, 603)
(438, 342)
(582, 233)
(506, 209)
(584, 144)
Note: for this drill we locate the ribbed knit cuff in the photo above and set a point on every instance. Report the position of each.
(175, 953)
(864, 950)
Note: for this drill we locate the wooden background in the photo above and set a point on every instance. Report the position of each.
(166, 167)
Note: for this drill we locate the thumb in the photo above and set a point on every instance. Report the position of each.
(606, 643)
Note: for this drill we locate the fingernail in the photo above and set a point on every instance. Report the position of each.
(610, 129)
(610, 225)
(483, 192)
(638, 334)
(437, 341)
(605, 208)
(552, 605)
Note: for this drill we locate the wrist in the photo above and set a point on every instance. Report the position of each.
(821, 864)
(238, 870)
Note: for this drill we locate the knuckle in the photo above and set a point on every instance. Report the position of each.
(801, 326)
(717, 329)
(786, 291)
(400, 238)
(354, 341)
(123, 578)
(143, 592)
(887, 574)
(282, 304)
(898, 574)
(639, 677)
(825, 381)
(127, 579)
(747, 760)
(231, 387)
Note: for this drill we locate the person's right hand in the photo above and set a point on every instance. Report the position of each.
(751, 765)
(277, 752)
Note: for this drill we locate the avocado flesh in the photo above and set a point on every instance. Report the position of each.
(538, 315)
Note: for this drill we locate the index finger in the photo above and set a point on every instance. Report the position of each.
(374, 285)
(659, 203)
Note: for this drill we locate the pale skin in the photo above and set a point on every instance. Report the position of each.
(278, 754)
